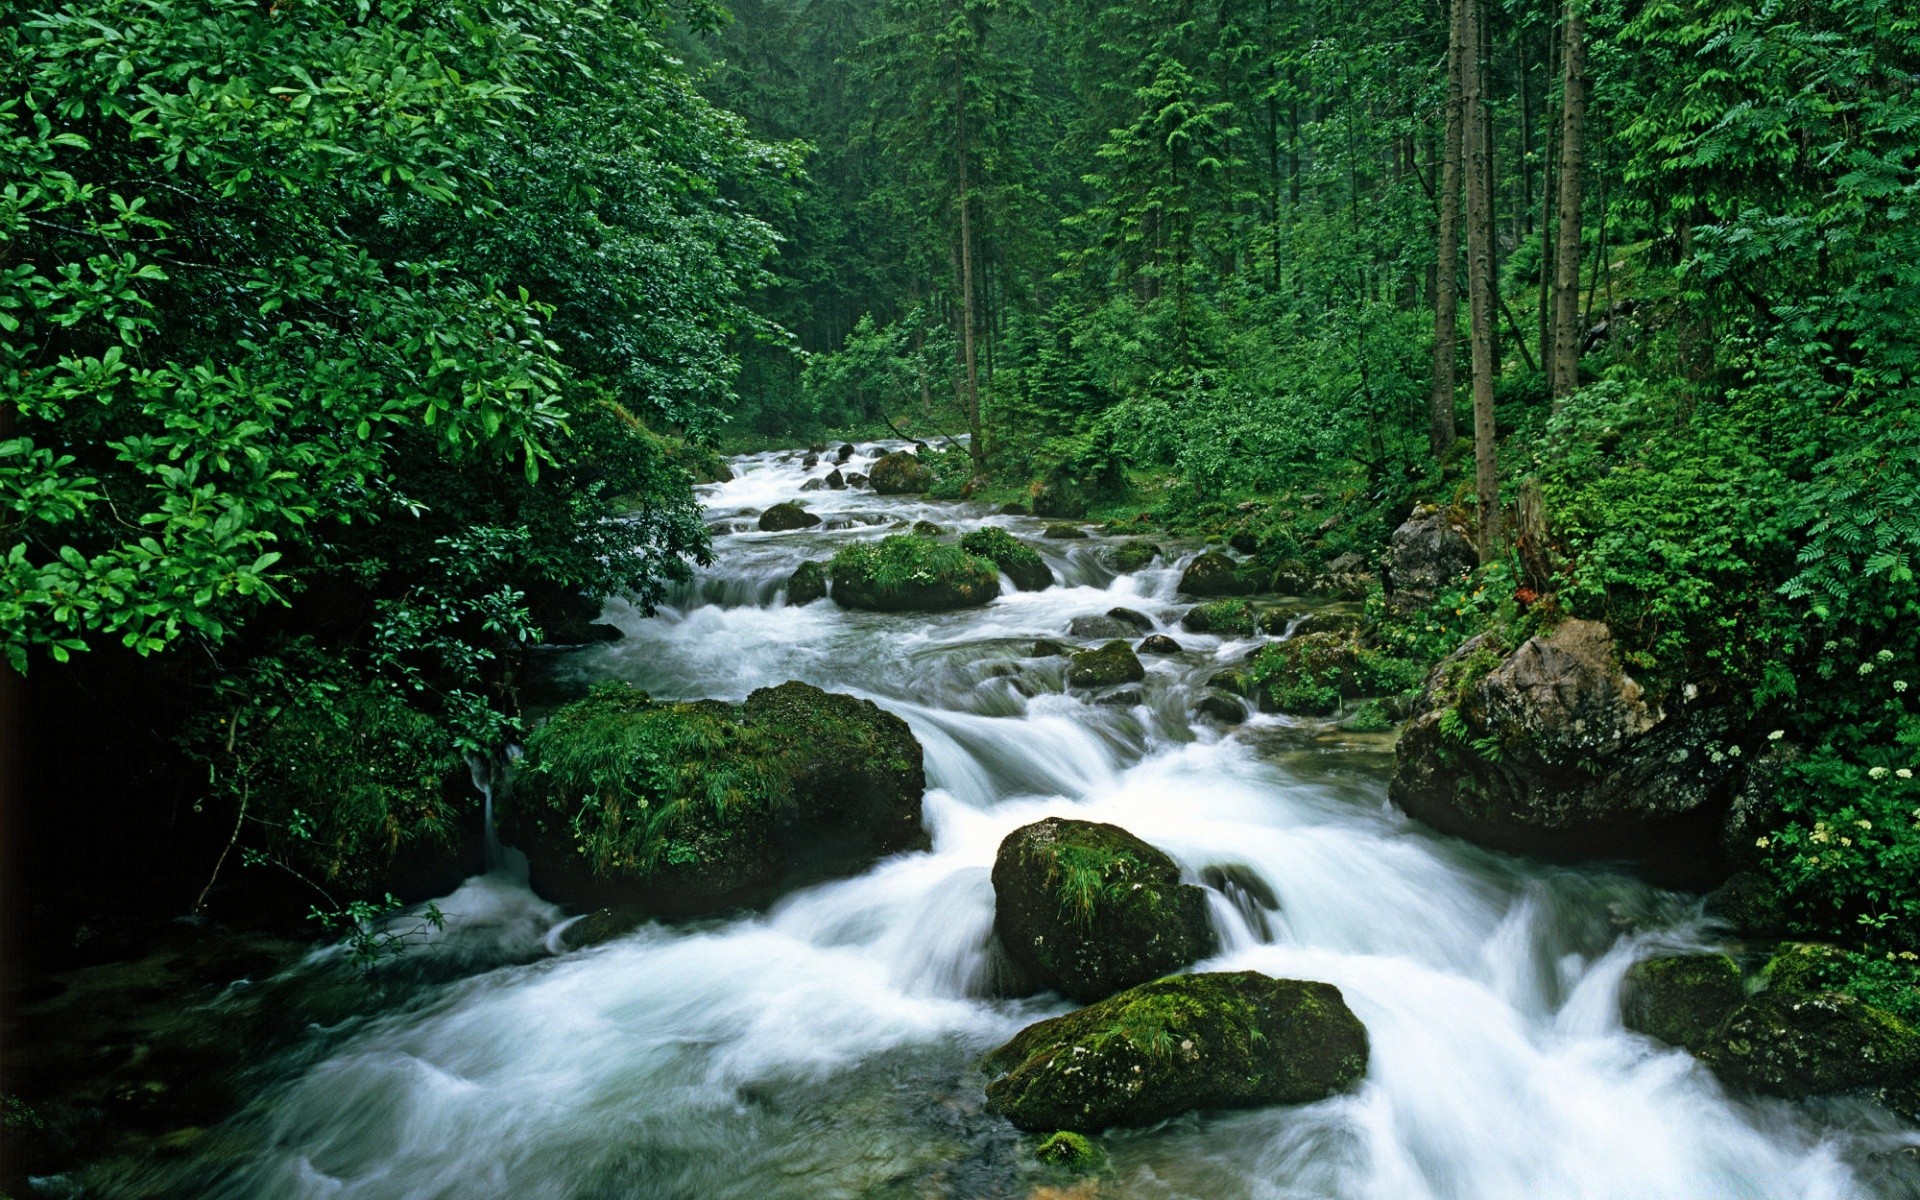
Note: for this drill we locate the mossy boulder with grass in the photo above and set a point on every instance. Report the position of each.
(786, 516)
(1070, 1151)
(1129, 557)
(1214, 574)
(911, 574)
(689, 808)
(807, 584)
(1112, 663)
(1088, 909)
(1314, 674)
(1228, 617)
(1021, 562)
(1681, 999)
(1228, 1040)
(899, 474)
(1799, 1044)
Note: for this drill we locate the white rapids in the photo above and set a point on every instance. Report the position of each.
(825, 1048)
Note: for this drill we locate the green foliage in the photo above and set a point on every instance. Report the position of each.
(1002, 549)
(900, 564)
(376, 933)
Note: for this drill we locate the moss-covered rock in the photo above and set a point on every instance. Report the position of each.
(1048, 648)
(1020, 562)
(898, 474)
(1750, 902)
(1231, 618)
(929, 529)
(688, 808)
(1214, 574)
(1799, 1044)
(1072, 1151)
(1098, 628)
(911, 574)
(1220, 708)
(1158, 643)
(785, 516)
(1088, 909)
(1681, 999)
(1129, 557)
(1112, 663)
(1230, 1040)
(808, 583)
(1313, 674)
(1140, 621)
(1060, 529)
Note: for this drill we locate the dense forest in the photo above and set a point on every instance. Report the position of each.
(354, 351)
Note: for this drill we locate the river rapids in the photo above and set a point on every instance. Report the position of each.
(826, 1048)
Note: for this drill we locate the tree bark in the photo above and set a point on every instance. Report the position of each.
(1480, 283)
(1566, 289)
(1446, 290)
(976, 442)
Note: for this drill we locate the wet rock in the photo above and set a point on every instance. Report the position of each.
(1122, 698)
(836, 480)
(900, 473)
(1229, 618)
(1227, 1040)
(1346, 625)
(1133, 617)
(1556, 750)
(786, 516)
(1233, 680)
(1129, 557)
(1159, 643)
(911, 574)
(1070, 1150)
(808, 583)
(814, 485)
(820, 785)
(810, 461)
(1019, 561)
(929, 529)
(1110, 664)
(1312, 675)
(1430, 552)
(1806, 966)
(1799, 1044)
(1681, 999)
(1749, 902)
(602, 925)
(845, 453)
(1247, 892)
(1048, 648)
(1015, 509)
(1088, 909)
(1058, 499)
(1214, 574)
(1220, 708)
(857, 480)
(1062, 530)
(1099, 627)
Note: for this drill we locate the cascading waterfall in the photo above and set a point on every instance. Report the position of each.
(826, 1047)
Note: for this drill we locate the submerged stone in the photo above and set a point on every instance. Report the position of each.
(1228, 1040)
(1089, 909)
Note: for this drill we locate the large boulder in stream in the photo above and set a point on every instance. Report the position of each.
(906, 573)
(1682, 998)
(1228, 1040)
(1214, 574)
(1021, 562)
(807, 584)
(1112, 663)
(786, 516)
(899, 473)
(689, 808)
(1554, 749)
(1088, 909)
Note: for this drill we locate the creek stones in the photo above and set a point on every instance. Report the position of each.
(1088, 909)
(836, 480)
(1062, 530)
(614, 801)
(1227, 1040)
(807, 584)
(1158, 643)
(786, 516)
(1019, 561)
(1129, 557)
(1227, 617)
(845, 453)
(1681, 999)
(1048, 648)
(1214, 574)
(905, 573)
(1555, 750)
(925, 528)
(1112, 663)
(1220, 708)
(1313, 675)
(1132, 616)
(898, 474)
(814, 485)
(1091, 627)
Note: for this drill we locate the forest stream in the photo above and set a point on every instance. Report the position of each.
(828, 1046)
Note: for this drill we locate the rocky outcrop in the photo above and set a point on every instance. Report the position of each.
(1214, 574)
(906, 573)
(1799, 1044)
(1431, 551)
(1061, 530)
(1230, 618)
(1314, 674)
(808, 583)
(1129, 557)
(1158, 643)
(1554, 749)
(898, 474)
(1088, 909)
(1681, 999)
(1230, 1040)
(1112, 663)
(690, 808)
(786, 516)
(1019, 561)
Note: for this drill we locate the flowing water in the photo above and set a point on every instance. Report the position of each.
(825, 1048)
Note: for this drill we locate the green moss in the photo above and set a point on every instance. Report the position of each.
(1806, 967)
(1021, 562)
(1132, 556)
(1681, 999)
(1313, 673)
(1069, 1149)
(1234, 617)
(1798, 1044)
(809, 583)
(911, 573)
(1112, 663)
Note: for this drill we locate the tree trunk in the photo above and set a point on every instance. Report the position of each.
(1446, 290)
(976, 441)
(1480, 283)
(1566, 289)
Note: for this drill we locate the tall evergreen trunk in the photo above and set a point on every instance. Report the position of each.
(1480, 281)
(1446, 288)
(976, 441)
(1566, 291)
